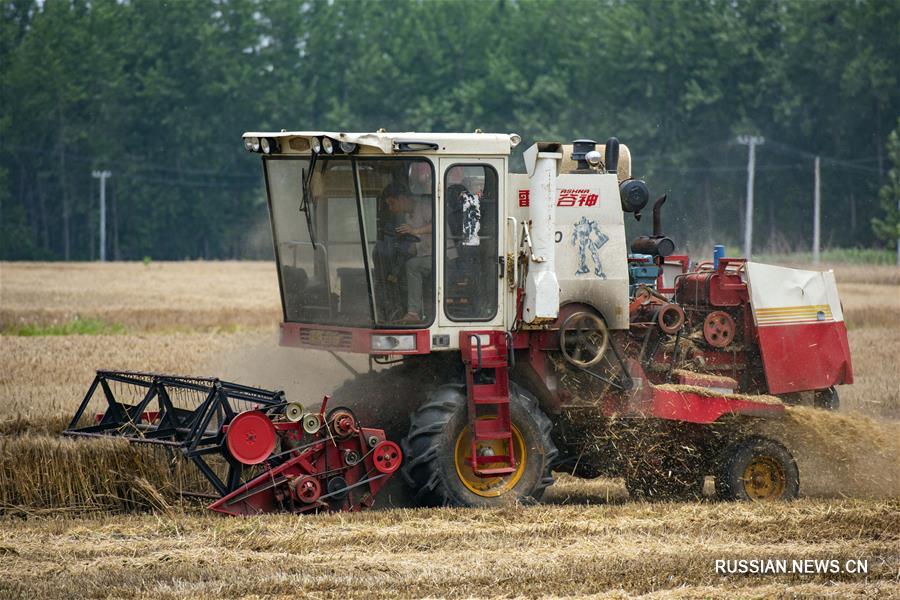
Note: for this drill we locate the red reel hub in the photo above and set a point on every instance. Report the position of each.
(250, 437)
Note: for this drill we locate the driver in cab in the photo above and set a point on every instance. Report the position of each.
(416, 220)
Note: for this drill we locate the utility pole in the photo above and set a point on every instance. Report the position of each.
(102, 176)
(817, 214)
(751, 141)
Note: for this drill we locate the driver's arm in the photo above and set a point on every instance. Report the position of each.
(426, 228)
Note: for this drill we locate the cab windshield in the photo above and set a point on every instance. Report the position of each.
(358, 251)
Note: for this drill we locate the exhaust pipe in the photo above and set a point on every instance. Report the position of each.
(657, 208)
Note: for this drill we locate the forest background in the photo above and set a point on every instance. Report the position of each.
(159, 93)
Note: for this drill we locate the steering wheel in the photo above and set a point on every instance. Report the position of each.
(583, 339)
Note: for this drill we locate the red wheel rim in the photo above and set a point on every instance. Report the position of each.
(251, 437)
(387, 457)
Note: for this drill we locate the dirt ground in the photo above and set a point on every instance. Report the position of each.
(587, 539)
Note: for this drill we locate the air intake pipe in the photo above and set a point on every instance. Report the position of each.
(611, 159)
(542, 286)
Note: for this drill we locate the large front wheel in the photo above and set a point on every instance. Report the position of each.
(438, 445)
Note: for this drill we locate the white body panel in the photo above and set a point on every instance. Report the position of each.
(783, 296)
(591, 250)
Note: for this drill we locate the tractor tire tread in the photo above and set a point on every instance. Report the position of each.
(421, 450)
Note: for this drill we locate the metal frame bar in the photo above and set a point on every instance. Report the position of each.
(175, 426)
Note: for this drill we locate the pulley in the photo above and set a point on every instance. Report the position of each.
(718, 329)
(312, 423)
(307, 489)
(342, 422)
(337, 487)
(351, 458)
(293, 412)
(670, 318)
(387, 457)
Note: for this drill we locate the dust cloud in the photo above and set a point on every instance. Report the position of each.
(845, 455)
(304, 375)
(380, 397)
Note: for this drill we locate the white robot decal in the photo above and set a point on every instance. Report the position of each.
(587, 236)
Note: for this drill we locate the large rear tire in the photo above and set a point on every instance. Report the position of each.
(757, 469)
(437, 443)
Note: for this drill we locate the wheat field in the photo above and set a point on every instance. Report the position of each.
(587, 539)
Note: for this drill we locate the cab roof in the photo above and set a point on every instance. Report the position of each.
(384, 142)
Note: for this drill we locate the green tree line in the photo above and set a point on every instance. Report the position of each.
(159, 93)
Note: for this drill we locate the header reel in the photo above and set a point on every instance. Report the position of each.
(276, 456)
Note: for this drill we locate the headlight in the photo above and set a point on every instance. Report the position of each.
(393, 342)
(251, 144)
(268, 145)
(593, 158)
(327, 145)
(348, 147)
(315, 145)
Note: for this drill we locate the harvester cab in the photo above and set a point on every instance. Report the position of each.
(394, 244)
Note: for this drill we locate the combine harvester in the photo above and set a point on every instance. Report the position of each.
(556, 345)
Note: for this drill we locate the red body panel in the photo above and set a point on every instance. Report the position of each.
(694, 408)
(805, 356)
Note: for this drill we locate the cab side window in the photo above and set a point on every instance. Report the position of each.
(470, 234)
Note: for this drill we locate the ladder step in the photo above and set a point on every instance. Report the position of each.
(493, 437)
(494, 472)
(490, 362)
(498, 388)
(493, 429)
(482, 400)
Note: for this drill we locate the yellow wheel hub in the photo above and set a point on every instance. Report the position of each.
(488, 487)
(764, 479)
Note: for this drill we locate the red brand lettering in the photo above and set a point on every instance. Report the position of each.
(587, 200)
(566, 199)
(569, 198)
